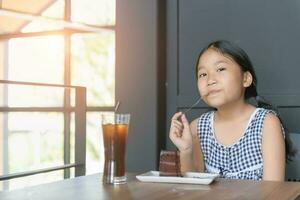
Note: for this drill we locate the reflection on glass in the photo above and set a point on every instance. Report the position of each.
(94, 12)
(36, 59)
(93, 61)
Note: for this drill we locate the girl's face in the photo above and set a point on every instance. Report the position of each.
(220, 79)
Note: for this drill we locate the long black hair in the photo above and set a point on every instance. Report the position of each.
(242, 59)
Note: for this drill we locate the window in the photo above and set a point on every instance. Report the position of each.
(69, 42)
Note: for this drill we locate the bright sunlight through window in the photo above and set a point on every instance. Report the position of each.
(48, 54)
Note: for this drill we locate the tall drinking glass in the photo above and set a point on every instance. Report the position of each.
(115, 131)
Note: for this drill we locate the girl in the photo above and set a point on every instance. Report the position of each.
(236, 140)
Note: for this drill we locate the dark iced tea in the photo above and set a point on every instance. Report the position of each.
(114, 138)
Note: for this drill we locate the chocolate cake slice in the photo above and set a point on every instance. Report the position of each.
(169, 163)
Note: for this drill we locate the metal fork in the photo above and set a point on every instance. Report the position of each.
(192, 106)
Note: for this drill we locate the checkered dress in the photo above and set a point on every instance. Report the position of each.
(243, 159)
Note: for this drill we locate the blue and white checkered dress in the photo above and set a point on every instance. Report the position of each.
(243, 159)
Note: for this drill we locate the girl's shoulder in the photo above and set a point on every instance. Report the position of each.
(207, 115)
(265, 114)
(266, 111)
(203, 118)
(268, 119)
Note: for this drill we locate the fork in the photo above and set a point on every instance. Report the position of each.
(192, 106)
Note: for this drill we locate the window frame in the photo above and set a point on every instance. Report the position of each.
(66, 109)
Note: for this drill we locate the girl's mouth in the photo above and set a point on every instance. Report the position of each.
(213, 92)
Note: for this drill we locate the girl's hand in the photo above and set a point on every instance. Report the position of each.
(180, 133)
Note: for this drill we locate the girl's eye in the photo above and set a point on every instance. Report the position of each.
(201, 75)
(221, 69)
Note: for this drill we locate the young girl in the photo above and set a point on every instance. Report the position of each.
(236, 140)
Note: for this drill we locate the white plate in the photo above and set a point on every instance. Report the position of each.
(189, 177)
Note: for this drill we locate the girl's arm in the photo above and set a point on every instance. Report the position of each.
(192, 159)
(273, 149)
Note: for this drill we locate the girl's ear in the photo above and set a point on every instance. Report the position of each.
(247, 79)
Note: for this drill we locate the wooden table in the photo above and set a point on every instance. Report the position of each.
(91, 188)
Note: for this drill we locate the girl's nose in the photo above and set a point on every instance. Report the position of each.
(211, 83)
(211, 80)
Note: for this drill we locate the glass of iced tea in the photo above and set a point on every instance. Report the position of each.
(115, 131)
